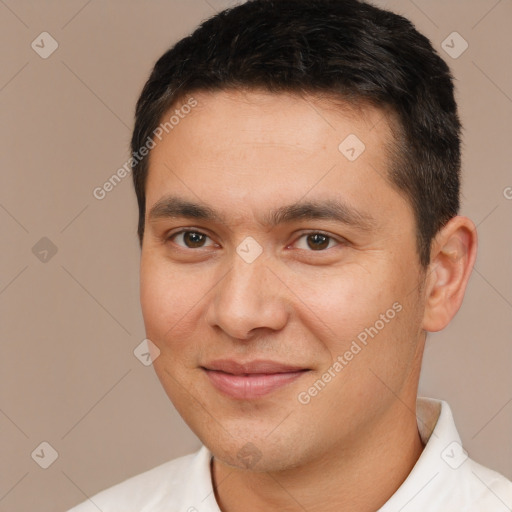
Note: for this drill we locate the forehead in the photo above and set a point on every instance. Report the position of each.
(260, 116)
(251, 148)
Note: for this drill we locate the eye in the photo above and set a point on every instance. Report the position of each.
(316, 242)
(191, 239)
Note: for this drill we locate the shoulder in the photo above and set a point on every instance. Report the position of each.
(169, 484)
(488, 489)
(444, 477)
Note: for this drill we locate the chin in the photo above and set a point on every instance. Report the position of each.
(257, 453)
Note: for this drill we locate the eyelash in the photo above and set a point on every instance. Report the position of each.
(305, 234)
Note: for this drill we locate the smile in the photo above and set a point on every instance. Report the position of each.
(250, 380)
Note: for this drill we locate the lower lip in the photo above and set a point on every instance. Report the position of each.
(246, 387)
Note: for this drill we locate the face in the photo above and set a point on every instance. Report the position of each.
(280, 277)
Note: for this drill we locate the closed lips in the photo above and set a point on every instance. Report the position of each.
(250, 380)
(251, 367)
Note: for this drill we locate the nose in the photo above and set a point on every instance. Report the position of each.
(250, 299)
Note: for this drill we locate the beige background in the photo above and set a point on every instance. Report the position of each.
(69, 325)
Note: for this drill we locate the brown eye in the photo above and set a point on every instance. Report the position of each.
(190, 239)
(193, 239)
(316, 242)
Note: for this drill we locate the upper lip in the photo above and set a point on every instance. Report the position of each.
(251, 367)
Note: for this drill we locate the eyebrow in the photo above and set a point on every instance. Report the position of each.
(176, 207)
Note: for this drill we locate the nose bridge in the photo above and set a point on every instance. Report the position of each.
(245, 277)
(247, 299)
(246, 285)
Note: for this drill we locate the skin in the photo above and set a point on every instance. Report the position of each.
(244, 154)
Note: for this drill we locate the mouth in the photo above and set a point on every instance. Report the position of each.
(251, 380)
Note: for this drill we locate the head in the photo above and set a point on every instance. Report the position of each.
(298, 207)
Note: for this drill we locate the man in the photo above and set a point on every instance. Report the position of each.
(296, 165)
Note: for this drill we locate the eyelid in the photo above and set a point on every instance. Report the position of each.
(339, 240)
(171, 235)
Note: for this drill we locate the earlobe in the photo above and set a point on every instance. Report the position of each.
(453, 255)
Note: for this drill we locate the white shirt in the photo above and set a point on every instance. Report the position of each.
(443, 479)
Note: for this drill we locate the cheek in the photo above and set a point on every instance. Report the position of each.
(366, 316)
(171, 300)
(171, 308)
(345, 302)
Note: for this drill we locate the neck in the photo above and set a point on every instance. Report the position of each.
(361, 477)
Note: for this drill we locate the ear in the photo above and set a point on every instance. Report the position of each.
(452, 256)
